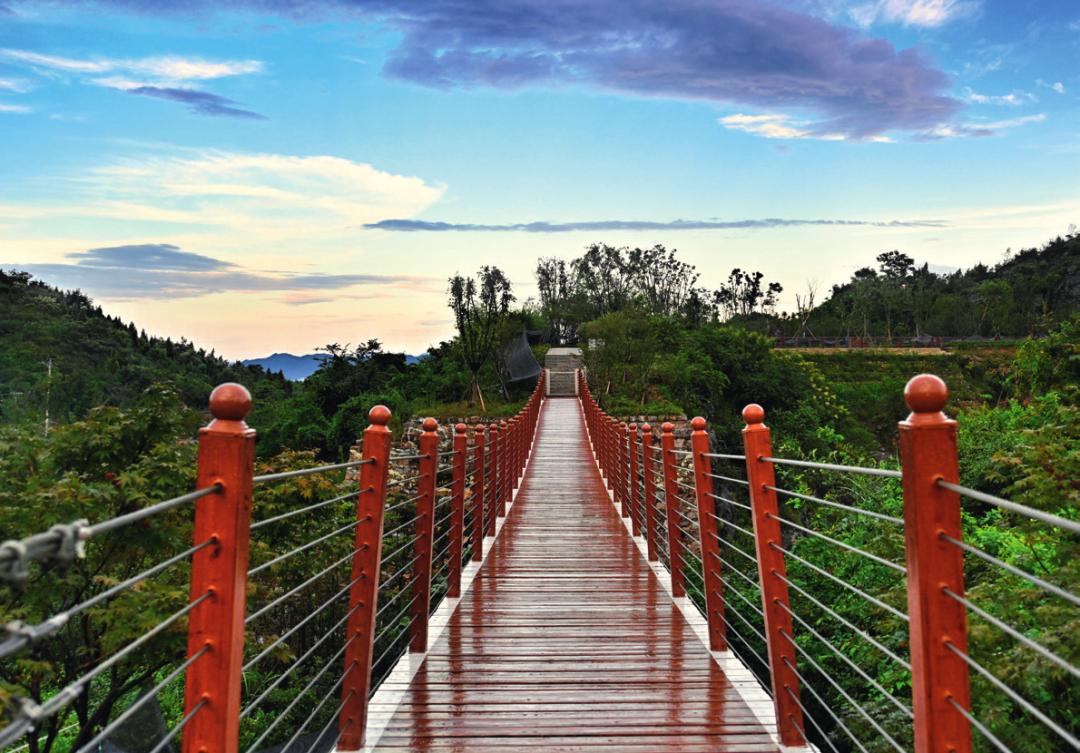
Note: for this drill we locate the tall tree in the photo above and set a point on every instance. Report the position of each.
(479, 306)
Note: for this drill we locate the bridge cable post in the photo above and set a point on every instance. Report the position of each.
(708, 530)
(518, 424)
(511, 456)
(648, 471)
(633, 490)
(493, 464)
(772, 570)
(928, 454)
(479, 508)
(364, 593)
(612, 432)
(226, 459)
(667, 459)
(457, 512)
(425, 527)
(624, 468)
(504, 467)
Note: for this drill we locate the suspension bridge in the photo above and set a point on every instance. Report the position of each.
(561, 580)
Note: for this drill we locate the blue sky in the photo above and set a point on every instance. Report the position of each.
(276, 177)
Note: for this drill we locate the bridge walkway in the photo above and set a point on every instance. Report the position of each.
(566, 640)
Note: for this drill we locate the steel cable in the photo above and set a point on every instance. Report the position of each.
(1016, 697)
(842, 692)
(255, 615)
(838, 505)
(302, 510)
(873, 683)
(842, 545)
(268, 477)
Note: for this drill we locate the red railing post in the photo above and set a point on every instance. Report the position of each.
(494, 464)
(709, 531)
(504, 467)
(425, 525)
(761, 475)
(648, 472)
(216, 625)
(479, 500)
(928, 455)
(667, 458)
(612, 432)
(515, 452)
(457, 512)
(632, 439)
(364, 592)
(624, 469)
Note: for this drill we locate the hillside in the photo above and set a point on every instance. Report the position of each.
(1025, 294)
(97, 359)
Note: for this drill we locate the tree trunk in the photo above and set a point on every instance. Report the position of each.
(477, 393)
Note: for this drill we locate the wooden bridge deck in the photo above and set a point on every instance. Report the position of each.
(566, 640)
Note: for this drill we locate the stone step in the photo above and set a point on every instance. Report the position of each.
(562, 383)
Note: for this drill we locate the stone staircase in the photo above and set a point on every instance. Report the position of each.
(562, 365)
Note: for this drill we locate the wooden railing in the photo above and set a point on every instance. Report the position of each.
(409, 547)
(672, 502)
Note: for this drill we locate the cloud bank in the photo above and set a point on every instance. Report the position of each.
(727, 52)
(164, 77)
(567, 227)
(156, 270)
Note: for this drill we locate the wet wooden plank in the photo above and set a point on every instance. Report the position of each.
(566, 642)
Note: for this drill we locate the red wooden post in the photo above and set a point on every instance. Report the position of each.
(479, 506)
(457, 513)
(364, 593)
(648, 472)
(634, 490)
(515, 451)
(667, 458)
(707, 527)
(927, 455)
(425, 526)
(504, 466)
(611, 430)
(226, 458)
(624, 469)
(773, 575)
(495, 466)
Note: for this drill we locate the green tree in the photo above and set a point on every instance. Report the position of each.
(479, 306)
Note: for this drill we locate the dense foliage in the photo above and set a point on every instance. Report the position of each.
(124, 407)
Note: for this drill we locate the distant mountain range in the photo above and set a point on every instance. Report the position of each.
(297, 368)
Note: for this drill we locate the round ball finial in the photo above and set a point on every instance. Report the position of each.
(698, 423)
(379, 415)
(633, 426)
(430, 424)
(230, 402)
(460, 429)
(926, 393)
(667, 427)
(753, 414)
(646, 428)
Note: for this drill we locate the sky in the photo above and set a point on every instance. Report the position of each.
(280, 175)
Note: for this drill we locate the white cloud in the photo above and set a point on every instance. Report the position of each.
(242, 199)
(17, 85)
(1055, 86)
(998, 125)
(779, 126)
(14, 109)
(977, 128)
(929, 13)
(167, 69)
(1013, 99)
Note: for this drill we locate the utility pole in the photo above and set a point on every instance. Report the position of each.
(48, 393)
